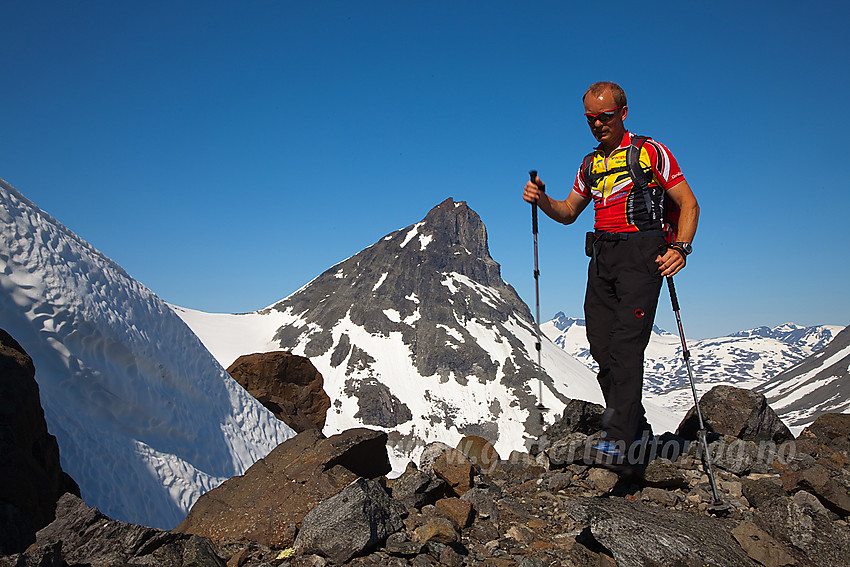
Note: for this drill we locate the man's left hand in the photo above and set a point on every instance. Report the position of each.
(670, 263)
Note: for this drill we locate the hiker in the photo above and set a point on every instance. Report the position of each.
(639, 238)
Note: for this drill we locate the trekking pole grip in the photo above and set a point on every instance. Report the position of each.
(533, 174)
(673, 298)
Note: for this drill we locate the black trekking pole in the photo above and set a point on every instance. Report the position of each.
(718, 506)
(540, 407)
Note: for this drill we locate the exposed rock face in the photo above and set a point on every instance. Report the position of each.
(31, 479)
(741, 413)
(455, 230)
(287, 385)
(267, 503)
(87, 537)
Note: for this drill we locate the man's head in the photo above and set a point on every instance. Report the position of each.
(605, 107)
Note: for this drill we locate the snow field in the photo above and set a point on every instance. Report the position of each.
(145, 419)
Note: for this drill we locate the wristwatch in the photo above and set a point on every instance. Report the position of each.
(684, 247)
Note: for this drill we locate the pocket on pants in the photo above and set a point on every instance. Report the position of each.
(650, 249)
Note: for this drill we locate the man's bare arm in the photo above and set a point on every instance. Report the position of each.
(672, 261)
(564, 212)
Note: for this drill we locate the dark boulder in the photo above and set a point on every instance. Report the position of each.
(831, 428)
(737, 412)
(579, 416)
(827, 436)
(268, 502)
(761, 492)
(415, 489)
(31, 479)
(571, 449)
(287, 385)
(826, 481)
(662, 473)
(354, 521)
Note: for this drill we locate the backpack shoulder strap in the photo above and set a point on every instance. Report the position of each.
(587, 168)
(638, 175)
(641, 178)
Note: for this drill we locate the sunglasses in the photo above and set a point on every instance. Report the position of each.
(603, 116)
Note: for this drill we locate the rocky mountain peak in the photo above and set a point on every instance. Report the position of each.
(423, 281)
(419, 332)
(458, 226)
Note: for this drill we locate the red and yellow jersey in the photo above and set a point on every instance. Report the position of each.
(619, 205)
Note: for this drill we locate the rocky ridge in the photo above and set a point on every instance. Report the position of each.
(786, 501)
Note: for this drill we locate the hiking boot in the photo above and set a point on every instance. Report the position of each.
(610, 456)
(606, 453)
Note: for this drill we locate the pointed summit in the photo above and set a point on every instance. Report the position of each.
(458, 229)
(432, 282)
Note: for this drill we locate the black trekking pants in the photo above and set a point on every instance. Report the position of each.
(623, 285)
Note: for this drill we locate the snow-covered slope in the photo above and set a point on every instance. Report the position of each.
(146, 419)
(419, 335)
(819, 384)
(745, 359)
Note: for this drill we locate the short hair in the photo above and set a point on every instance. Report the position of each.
(600, 87)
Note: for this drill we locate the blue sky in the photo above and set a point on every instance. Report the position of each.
(225, 153)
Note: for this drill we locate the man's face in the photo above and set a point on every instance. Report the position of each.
(608, 131)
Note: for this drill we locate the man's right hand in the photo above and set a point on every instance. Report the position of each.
(532, 191)
(564, 212)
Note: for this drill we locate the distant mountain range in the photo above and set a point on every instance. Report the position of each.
(746, 359)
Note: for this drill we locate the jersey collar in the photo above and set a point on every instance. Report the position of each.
(624, 143)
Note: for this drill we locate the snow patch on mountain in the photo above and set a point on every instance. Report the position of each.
(145, 418)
